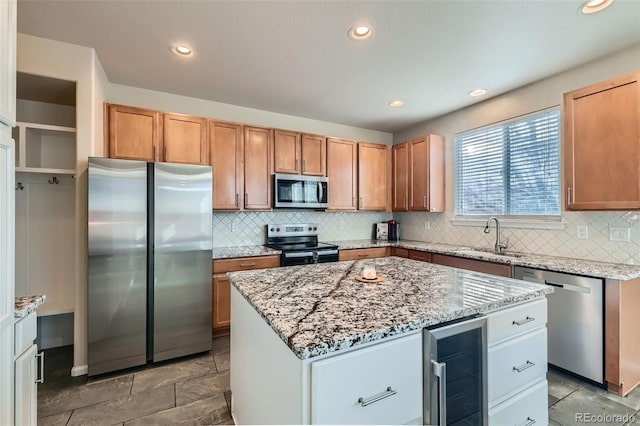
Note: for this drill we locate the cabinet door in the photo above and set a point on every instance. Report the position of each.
(602, 145)
(185, 139)
(314, 155)
(341, 171)
(221, 301)
(134, 133)
(426, 182)
(373, 177)
(366, 253)
(258, 161)
(225, 146)
(400, 181)
(26, 401)
(286, 152)
(8, 31)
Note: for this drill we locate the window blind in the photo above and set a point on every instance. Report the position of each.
(510, 169)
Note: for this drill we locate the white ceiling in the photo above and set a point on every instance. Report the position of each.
(294, 57)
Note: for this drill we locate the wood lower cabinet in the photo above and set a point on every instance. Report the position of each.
(225, 146)
(221, 293)
(185, 139)
(426, 174)
(134, 133)
(602, 145)
(373, 177)
(399, 252)
(366, 253)
(342, 167)
(473, 265)
(419, 255)
(258, 168)
(400, 177)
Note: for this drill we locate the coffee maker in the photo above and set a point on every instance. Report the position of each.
(393, 230)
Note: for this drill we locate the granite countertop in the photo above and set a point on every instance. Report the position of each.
(616, 271)
(242, 251)
(24, 305)
(318, 309)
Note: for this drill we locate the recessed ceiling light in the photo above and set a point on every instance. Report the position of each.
(396, 104)
(181, 50)
(594, 6)
(478, 92)
(360, 32)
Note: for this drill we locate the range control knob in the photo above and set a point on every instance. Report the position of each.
(278, 229)
(272, 229)
(309, 228)
(315, 228)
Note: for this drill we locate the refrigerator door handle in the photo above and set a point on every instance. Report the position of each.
(440, 371)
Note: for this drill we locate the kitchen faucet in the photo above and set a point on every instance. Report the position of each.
(499, 246)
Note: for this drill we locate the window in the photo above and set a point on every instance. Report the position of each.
(510, 169)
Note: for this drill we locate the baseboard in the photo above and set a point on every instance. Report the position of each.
(79, 370)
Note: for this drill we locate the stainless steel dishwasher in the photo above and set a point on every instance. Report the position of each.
(575, 325)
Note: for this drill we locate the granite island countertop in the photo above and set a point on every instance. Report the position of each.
(318, 309)
(24, 305)
(616, 271)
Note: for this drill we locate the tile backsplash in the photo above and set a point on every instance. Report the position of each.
(251, 226)
(541, 241)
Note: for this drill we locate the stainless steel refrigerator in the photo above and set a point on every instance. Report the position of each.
(149, 270)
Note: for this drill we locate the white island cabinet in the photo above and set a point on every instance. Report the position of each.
(311, 345)
(26, 371)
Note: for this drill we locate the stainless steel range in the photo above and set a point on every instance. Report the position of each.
(299, 244)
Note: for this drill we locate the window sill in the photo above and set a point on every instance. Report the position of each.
(513, 223)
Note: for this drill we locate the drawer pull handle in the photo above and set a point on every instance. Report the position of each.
(530, 421)
(386, 394)
(363, 255)
(524, 366)
(244, 265)
(524, 321)
(41, 378)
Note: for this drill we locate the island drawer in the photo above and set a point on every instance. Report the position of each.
(221, 266)
(512, 321)
(381, 384)
(366, 253)
(26, 331)
(527, 407)
(516, 364)
(420, 255)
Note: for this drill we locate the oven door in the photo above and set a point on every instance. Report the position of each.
(309, 257)
(297, 191)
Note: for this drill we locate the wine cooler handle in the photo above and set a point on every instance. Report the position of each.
(440, 371)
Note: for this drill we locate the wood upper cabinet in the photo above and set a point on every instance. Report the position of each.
(426, 174)
(400, 177)
(342, 166)
(299, 154)
(185, 139)
(287, 152)
(225, 146)
(134, 133)
(314, 155)
(602, 145)
(373, 177)
(258, 166)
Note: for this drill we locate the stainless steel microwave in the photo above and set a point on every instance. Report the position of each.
(299, 191)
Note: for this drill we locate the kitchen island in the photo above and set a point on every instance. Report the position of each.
(307, 339)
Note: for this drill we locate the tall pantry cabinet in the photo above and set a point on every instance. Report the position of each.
(8, 33)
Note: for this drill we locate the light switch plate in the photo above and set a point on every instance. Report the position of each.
(234, 227)
(619, 234)
(582, 232)
(427, 225)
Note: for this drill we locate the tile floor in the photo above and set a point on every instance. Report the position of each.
(195, 391)
(191, 391)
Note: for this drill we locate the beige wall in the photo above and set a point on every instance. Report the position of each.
(543, 94)
(144, 98)
(80, 64)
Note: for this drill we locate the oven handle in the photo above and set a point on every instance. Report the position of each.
(299, 254)
(327, 252)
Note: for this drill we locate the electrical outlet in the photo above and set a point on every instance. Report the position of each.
(582, 232)
(619, 234)
(234, 227)
(342, 224)
(427, 225)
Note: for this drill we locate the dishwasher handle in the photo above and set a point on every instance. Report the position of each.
(570, 287)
